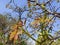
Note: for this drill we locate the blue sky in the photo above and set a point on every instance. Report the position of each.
(3, 8)
(23, 3)
(4, 2)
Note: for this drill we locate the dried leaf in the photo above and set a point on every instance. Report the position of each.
(12, 34)
(14, 27)
(29, 4)
(35, 23)
(20, 24)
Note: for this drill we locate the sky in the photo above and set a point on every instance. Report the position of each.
(23, 3)
(3, 8)
(4, 2)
